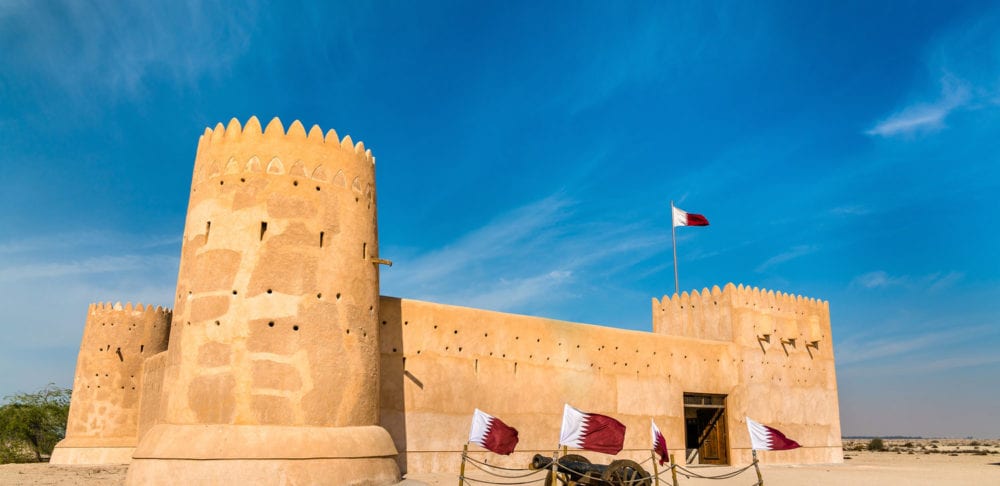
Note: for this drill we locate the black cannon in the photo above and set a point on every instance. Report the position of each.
(573, 469)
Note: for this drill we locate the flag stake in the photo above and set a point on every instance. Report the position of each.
(673, 239)
(656, 473)
(673, 469)
(555, 462)
(760, 479)
(461, 470)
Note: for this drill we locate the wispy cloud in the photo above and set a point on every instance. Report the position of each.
(925, 117)
(880, 279)
(115, 49)
(863, 349)
(531, 257)
(791, 254)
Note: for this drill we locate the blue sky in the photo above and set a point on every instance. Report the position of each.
(527, 155)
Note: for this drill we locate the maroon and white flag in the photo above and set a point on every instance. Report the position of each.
(660, 444)
(591, 431)
(764, 438)
(491, 433)
(684, 218)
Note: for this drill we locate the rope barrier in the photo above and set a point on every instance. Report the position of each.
(481, 481)
(473, 461)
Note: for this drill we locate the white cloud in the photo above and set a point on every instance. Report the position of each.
(881, 279)
(925, 117)
(526, 260)
(791, 254)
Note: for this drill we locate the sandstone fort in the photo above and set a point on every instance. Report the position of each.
(281, 362)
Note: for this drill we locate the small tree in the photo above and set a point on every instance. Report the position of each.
(876, 445)
(32, 423)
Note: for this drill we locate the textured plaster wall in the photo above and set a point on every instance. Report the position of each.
(440, 362)
(104, 409)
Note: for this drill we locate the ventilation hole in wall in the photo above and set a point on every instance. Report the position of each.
(446, 348)
(243, 179)
(348, 331)
(338, 295)
(263, 229)
(100, 349)
(189, 323)
(270, 324)
(503, 355)
(222, 183)
(418, 351)
(577, 346)
(364, 251)
(133, 388)
(142, 347)
(435, 326)
(616, 348)
(123, 387)
(560, 344)
(491, 353)
(486, 334)
(364, 333)
(208, 228)
(317, 188)
(538, 340)
(456, 331)
(217, 323)
(355, 199)
(547, 358)
(319, 296)
(269, 291)
(459, 349)
(654, 353)
(383, 323)
(531, 356)
(321, 239)
(516, 338)
(626, 365)
(406, 323)
(393, 350)
(98, 386)
(295, 183)
(515, 367)
(295, 327)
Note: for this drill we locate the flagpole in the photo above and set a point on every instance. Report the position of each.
(673, 238)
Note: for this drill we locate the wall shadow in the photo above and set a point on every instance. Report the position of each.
(392, 413)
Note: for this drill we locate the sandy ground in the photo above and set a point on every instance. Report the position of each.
(905, 463)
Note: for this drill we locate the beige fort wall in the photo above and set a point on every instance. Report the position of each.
(274, 346)
(103, 422)
(440, 362)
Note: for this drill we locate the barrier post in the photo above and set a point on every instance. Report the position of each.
(461, 470)
(673, 469)
(555, 461)
(656, 472)
(760, 479)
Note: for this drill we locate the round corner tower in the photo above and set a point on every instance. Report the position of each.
(103, 422)
(273, 366)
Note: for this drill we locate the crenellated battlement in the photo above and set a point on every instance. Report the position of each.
(715, 314)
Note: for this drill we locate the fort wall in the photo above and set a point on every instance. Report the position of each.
(102, 427)
(440, 362)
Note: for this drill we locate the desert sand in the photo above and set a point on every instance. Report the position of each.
(904, 463)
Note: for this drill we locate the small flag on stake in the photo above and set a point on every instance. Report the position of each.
(660, 444)
(491, 433)
(764, 438)
(591, 431)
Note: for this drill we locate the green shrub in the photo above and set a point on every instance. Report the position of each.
(32, 423)
(876, 444)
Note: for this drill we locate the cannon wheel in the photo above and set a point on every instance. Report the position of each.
(624, 472)
(561, 476)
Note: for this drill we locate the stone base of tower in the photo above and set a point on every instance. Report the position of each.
(92, 451)
(264, 454)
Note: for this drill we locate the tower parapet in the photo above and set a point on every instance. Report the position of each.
(742, 314)
(104, 410)
(274, 348)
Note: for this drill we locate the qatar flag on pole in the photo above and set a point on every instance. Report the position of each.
(660, 444)
(491, 433)
(591, 431)
(764, 438)
(684, 218)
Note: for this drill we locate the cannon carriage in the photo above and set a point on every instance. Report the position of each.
(574, 469)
